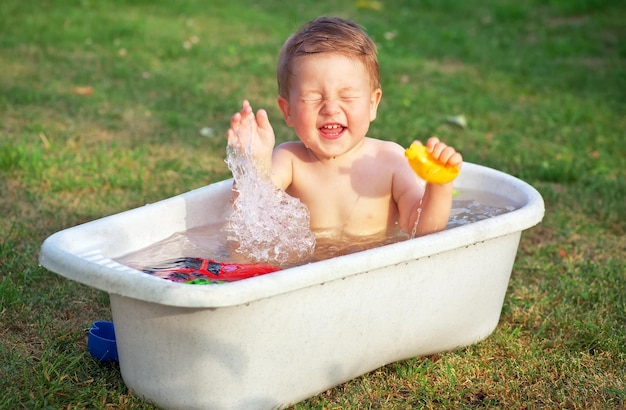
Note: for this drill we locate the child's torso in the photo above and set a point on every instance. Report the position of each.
(349, 197)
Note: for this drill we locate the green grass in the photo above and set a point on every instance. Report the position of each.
(541, 83)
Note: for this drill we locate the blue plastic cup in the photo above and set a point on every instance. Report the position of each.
(101, 342)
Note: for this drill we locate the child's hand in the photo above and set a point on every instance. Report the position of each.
(252, 134)
(443, 153)
(436, 163)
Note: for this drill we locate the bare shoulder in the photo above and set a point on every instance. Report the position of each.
(390, 156)
(383, 145)
(285, 158)
(291, 148)
(385, 150)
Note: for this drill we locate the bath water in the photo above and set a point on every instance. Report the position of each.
(472, 206)
(268, 225)
(218, 242)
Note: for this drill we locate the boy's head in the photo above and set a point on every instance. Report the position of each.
(327, 35)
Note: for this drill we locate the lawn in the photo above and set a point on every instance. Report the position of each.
(105, 106)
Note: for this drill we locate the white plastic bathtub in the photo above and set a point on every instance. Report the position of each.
(273, 340)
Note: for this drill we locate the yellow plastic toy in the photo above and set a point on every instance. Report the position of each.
(428, 168)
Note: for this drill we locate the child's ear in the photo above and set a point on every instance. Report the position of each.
(377, 94)
(283, 104)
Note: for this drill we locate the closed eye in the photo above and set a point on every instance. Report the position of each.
(349, 97)
(311, 97)
(312, 100)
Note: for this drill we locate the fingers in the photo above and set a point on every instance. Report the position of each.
(455, 159)
(247, 128)
(236, 122)
(450, 157)
(263, 120)
(432, 143)
(246, 109)
(231, 138)
(443, 152)
(446, 154)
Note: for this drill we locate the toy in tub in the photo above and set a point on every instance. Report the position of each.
(273, 340)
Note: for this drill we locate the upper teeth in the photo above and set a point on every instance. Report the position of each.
(332, 126)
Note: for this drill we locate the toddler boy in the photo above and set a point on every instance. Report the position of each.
(329, 91)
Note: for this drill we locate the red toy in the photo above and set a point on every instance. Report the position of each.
(198, 271)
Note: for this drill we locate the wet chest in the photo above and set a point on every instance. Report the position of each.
(345, 201)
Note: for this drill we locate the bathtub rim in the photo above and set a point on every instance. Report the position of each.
(91, 267)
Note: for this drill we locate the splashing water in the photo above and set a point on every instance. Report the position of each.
(417, 220)
(269, 225)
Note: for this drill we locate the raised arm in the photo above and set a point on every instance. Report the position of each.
(421, 214)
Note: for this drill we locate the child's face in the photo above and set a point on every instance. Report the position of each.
(331, 103)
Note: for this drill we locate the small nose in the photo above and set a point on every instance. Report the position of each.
(330, 106)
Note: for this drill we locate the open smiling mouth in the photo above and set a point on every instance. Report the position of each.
(332, 130)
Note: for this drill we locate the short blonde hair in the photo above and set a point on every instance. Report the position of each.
(327, 35)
